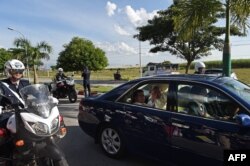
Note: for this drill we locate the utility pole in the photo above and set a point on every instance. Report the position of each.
(26, 54)
(227, 48)
(140, 58)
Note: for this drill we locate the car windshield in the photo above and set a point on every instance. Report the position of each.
(239, 88)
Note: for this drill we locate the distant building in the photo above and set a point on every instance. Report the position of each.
(159, 68)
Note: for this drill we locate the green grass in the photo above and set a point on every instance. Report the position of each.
(130, 74)
(242, 74)
(133, 73)
(95, 88)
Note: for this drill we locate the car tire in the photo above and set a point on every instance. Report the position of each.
(112, 142)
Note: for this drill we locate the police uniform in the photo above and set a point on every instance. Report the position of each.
(8, 93)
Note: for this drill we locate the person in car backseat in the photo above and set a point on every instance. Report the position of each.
(157, 99)
(138, 97)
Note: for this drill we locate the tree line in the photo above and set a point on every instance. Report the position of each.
(78, 53)
(236, 63)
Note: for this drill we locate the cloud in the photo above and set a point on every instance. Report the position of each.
(110, 8)
(121, 31)
(126, 48)
(119, 48)
(138, 17)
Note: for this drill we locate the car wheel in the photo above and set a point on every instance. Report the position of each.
(112, 142)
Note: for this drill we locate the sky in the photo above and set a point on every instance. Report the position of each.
(110, 25)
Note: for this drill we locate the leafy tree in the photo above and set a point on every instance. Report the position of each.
(160, 31)
(81, 52)
(4, 56)
(195, 14)
(34, 53)
(53, 67)
(17, 53)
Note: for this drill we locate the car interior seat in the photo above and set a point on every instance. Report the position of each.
(197, 107)
(183, 98)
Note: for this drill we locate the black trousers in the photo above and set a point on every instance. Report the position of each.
(86, 87)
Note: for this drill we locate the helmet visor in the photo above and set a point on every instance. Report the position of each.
(16, 71)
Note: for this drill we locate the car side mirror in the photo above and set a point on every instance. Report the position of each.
(243, 120)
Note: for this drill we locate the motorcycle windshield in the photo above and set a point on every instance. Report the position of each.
(36, 99)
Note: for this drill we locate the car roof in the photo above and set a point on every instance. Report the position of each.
(214, 69)
(188, 77)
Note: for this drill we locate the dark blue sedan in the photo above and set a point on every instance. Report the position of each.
(186, 119)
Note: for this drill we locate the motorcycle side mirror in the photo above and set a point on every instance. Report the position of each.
(4, 99)
(54, 100)
(1, 110)
(1, 92)
(243, 120)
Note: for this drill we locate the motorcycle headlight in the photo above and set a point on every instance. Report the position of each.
(40, 128)
(43, 129)
(54, 125)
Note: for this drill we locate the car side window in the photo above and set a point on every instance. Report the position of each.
(222, 107)
(148, 95)
(199, 100)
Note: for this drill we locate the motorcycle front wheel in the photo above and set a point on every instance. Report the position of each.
(51, 162)
(72, 96)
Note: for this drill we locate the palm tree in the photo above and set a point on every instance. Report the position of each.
(195, 14)
(41, 51)
(35, 54)
(23, 46)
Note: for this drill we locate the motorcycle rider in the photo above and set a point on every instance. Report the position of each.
(199, 68)
(13, 83)
(10, 87)
(60, 77)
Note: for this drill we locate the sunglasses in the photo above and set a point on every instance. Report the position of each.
(16, 71)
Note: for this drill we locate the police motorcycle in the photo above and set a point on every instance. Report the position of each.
(31, 129)
(65, 88)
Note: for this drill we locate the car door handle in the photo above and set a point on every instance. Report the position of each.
(179, 123)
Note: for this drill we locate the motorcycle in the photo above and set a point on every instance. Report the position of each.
(31, 129)
(65, 88)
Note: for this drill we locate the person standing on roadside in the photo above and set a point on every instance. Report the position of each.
(86, 81)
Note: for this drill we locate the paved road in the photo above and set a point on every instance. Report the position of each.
(81, 150)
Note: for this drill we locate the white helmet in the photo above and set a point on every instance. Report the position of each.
(199, 65)
(13, 65)
(60, 69)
